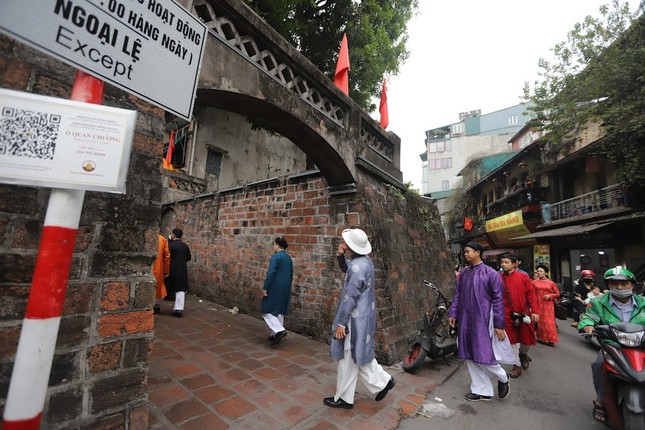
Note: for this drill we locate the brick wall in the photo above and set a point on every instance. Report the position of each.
(230, 235)
(98, 378)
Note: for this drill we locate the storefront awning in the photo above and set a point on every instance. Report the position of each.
(564, 231)
(491, 252)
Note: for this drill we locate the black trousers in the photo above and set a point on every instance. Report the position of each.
(596, 374)
(578, 309)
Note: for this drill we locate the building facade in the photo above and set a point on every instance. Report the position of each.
(450, 147)
(558, 205)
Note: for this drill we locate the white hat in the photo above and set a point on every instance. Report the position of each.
(357, 241)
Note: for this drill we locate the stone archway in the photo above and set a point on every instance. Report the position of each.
(250, 69)
(271, 117)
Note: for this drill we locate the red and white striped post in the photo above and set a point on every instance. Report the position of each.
(30, 376)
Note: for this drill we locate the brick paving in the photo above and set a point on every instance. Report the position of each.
(213, 370)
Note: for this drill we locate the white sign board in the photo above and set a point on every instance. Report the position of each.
(57, 143)
(150, 48)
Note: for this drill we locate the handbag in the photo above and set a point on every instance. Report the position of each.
(560, 311)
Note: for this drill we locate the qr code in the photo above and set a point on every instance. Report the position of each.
(27, 133)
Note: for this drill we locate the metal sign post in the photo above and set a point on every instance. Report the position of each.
(35, 354)
(152, 49)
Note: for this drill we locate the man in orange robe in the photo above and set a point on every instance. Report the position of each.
(161, 270)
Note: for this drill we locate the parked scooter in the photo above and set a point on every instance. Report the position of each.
(566, 301)
(623, 349)
(436, 339)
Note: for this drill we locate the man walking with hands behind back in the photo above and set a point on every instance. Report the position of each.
(276, 292)
(354, 327)
(478, 304)
(179, 256)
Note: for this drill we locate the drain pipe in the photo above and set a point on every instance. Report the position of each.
(193, 141)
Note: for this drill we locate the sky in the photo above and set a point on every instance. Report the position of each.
(472, 54)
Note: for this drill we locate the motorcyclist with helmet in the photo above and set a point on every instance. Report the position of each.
(585, 284)
(620, 305)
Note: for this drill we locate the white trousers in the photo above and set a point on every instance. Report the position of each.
(180, 299)
(482, 376)
(516, 349)
(372, 375)
(275, 323)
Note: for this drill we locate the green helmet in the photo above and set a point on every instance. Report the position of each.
(619, 273)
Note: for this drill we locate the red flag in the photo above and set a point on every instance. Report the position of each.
(468, 224)
(171, 147)
(341, 77)
(385, 119)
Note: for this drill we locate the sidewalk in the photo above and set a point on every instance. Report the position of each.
(212, 369)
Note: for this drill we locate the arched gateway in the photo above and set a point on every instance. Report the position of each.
(261, 103)
(250, 69)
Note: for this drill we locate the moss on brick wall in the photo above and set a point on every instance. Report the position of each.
(230, 236)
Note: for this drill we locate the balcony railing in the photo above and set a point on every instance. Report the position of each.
(177, 186)
(604, 199)
(525, 198)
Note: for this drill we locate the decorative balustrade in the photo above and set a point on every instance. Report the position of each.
(613, 196)
(376, 141)
(269, 60)
(177, 181)
(240, 34)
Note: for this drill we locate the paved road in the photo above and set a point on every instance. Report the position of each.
(214, 369)
(555, 393)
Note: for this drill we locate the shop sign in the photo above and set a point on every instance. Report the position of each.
(541, 255)
(509, 220)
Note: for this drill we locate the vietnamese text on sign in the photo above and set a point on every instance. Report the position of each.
(138, 45)
(56, 143)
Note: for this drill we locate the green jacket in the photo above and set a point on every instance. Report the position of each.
(601, 312)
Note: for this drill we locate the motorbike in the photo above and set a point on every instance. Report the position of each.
(435, 339)
(566, 301)
(623, 350)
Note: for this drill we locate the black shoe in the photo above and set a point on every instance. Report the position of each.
(472, 397)
(329, 401)
(272, 338)
(278, 336)
(503, 388)
(156, 309)
(516, 372)
(525, 360)
(390, 384)
(178, 314)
